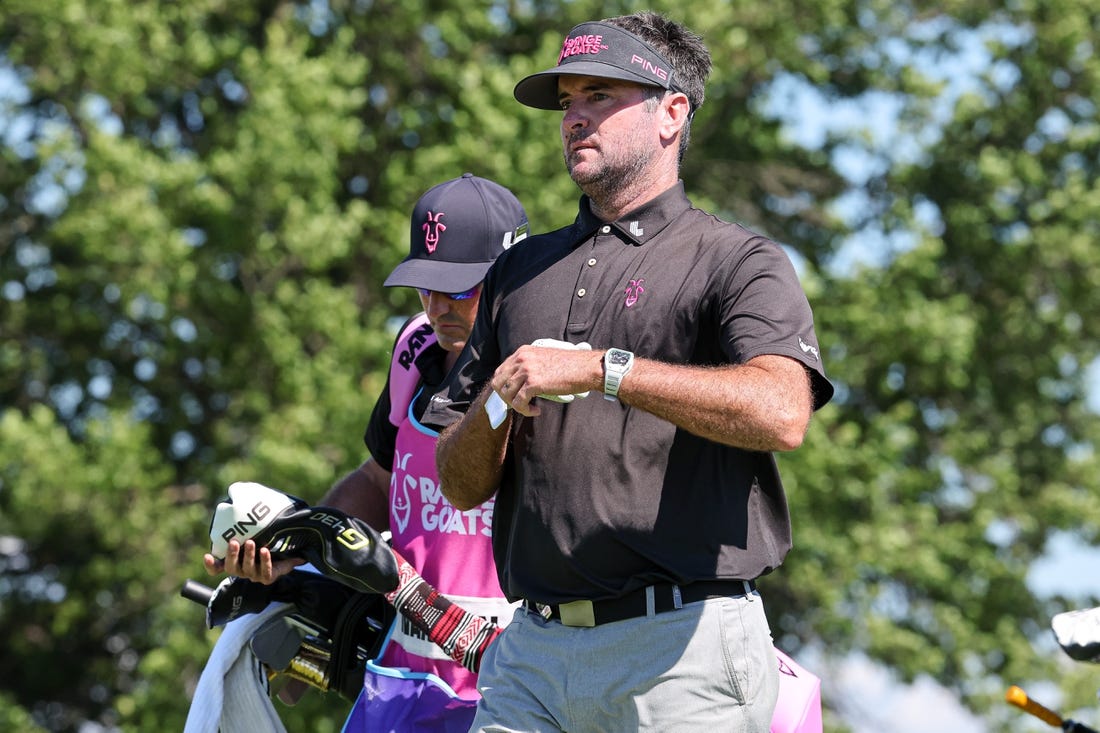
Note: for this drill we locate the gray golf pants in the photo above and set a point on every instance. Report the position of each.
(707, 667)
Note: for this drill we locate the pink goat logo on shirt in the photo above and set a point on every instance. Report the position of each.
(633, 291)
(433, 227)
(401, 504)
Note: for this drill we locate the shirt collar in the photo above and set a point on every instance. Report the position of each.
(640, 225)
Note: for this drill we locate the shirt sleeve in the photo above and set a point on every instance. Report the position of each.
(380, 436)
(765, 311)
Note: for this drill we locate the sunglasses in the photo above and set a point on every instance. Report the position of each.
(464, 295)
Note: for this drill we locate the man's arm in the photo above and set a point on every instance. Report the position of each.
(363, 493)
(470, 455)
(764, 404)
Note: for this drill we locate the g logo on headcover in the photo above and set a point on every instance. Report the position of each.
(352, 538)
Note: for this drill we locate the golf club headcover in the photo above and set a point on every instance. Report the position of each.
(341, 547)
(1078, 633)
(317, 597)
(249, 509)
(234, 597)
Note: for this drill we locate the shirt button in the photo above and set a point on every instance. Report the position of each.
(581, 292)
(591, 261)
(605, 229)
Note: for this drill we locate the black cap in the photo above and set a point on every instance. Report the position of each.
(458, 228)
(597, 49)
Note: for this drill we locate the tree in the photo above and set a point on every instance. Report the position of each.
(199, 201)
(963, 441)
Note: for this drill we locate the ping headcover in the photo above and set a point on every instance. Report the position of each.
(250, 508)
(341, 547)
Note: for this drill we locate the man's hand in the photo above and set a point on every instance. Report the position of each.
(251, 562)
(534, 371)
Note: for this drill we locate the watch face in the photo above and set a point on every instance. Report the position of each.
(618, 358)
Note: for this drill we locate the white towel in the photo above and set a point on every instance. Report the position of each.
(233, 695)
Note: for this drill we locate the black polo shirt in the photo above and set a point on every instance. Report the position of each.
(599, 498)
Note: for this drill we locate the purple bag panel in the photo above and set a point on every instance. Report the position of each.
(409, 702)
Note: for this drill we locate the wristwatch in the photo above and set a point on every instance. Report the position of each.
(617, 363)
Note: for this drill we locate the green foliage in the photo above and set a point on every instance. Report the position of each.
(14, 717)
(199, 202)
(101, 531)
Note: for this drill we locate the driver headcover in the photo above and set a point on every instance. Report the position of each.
(339, 546)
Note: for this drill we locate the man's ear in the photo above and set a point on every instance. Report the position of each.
(676, 111)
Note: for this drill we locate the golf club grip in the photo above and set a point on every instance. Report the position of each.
(195, 591)
(1019, 698)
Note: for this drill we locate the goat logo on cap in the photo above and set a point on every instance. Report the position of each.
(433, 227)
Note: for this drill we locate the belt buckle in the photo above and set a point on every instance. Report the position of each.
(577, 613)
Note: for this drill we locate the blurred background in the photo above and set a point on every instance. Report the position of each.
(199, 202)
